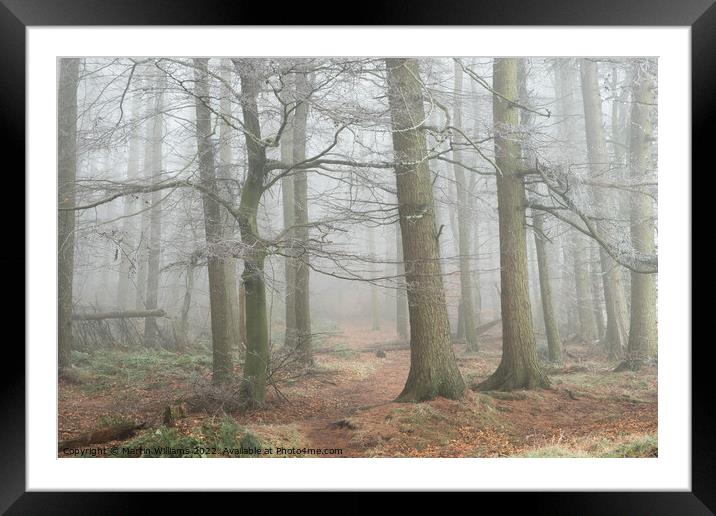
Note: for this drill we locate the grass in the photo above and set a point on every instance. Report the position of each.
(103, 370)
(356, 364)
(436, 425)
(631, 446)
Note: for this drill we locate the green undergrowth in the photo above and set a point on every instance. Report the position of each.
(215, 437)
(103, 370)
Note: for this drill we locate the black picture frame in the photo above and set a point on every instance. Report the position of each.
(17, 15)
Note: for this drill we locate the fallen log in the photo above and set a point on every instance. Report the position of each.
(103, 435)
(388, 346)
(484, 327)
(130, 314)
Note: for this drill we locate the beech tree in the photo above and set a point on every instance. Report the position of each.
(226, 173)
(302, 303)
(154, 163)
(519, 367)
(467, 307)
(587, 307)
(222, 363)
(66, 171)
(257, 346)
(616, 330)
(643, 325)
(130, 208)
(433, 368)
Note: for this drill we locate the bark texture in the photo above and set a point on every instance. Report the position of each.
(433, 368)
(519, 367)
(401, 302)
(551, 328)
(218, 299)
(257, 348)
(643, 326)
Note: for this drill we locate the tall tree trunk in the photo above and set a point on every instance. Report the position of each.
(242, 319)
(565, 81)
(518, 367)
(183, 333)
(534, 287)
(477, 297)
(596, 288)
(151, 330)
(145, 198)
(569, 300)
(300, 192)
(588, 328)
(218, 299)
(227, 177)
(643, 326)
(130, 209)
(257, 342)
(289, 209)
(401, 302)
(66, 172)
(473, 209)
(616, 332)
(433, 367)
(619, 149)
(374, 306)
(554, 343)
(467, 308)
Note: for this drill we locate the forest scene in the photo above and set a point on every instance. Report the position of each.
(357, 257)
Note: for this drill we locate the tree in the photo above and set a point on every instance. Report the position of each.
(300, 192)
(433, 367)
(616, 331)
(374, 305)
(151, 330)
(66, 172)
(401, 303)
(518, 368)
(257, 345)
(151, 83)
(289, 208)
(565, 81)
(643, 324)
(467, 308)
(554, 343)
(225, 174)
(218, 299)
(130, 208)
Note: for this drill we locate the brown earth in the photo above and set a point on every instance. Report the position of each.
(344, 406)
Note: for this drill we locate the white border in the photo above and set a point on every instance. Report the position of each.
(671, 470)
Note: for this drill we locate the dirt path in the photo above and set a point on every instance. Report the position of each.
(335, 430)
(346, 403)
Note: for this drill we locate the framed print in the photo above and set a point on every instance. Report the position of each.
(446, 249)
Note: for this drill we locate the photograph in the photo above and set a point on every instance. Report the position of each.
(357, 256)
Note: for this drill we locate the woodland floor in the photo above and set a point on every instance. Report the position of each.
(345, 407)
